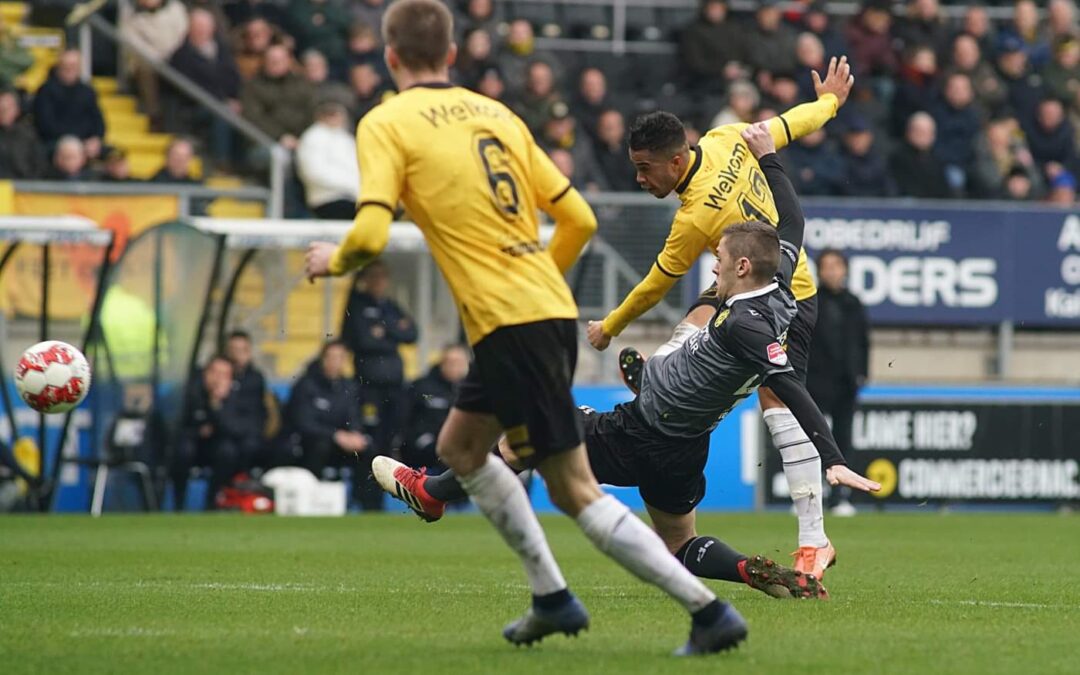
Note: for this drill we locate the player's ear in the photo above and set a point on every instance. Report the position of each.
(391, 58)
(451, 55)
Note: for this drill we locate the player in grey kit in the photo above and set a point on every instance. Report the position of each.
(659, 442)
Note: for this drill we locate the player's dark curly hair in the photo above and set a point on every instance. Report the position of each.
(757, 242)
(658, 132)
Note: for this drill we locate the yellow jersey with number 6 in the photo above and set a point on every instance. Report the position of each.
(472, 178)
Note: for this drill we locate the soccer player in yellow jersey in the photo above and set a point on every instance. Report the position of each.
(472, 178)
(720, 183)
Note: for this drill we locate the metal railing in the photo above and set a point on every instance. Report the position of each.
(185, 193)
(280, 158)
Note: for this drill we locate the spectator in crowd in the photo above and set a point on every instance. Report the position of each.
(1052, 139)
(914, 168)
(369, 12)
(491, 84)
(374, 328)
(115, 167)
(323, 413)
(712, 49)
(67, 106)
(479, 14)
(924, 25)
(326, 164)
(866, 173)
(1061, 19)
(1063, 189)
(279, 101)
(518, 53)
(206, 60)
(178, 164)
(966, 58)
(612, 152)
(839, 356)
(817, 22)
(1018, 185)
(214, 432)
(976, 23)
(958, 123)
(815, 167)
(560, 131)
(364, 47)
(367, 88)
(321, 25)
(782, 92)
(22, 155)
(249, 387)
(158, 28)
(916, 86)
(869, 37)
(476, 58)
(742, 102)
(1061, 77)
(15, 59)
(429, 401)
(810, 54)
(317, 73)
(1023, 86)
(69, 161)
(240, 12)
(1024, 28)
(256, 37)
(564, 162)
(592, 99)
(998, 151)
(770, 43)
(535, 105)
(216, 9)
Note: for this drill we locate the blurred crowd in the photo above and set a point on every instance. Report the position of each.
(943, 108)
(337, 416)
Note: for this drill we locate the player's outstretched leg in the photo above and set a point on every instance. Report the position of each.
(411, 486)
(612, 528)
(710, 558)
(802, 468)
(498, 494)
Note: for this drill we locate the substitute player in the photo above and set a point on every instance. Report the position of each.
(659, 442)
(719, 183)
(472, 178)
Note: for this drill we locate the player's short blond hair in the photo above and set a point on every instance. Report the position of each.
(420, 32)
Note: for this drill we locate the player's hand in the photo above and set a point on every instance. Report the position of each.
(317, 260)
(838, 80)
(597, 337)
(841, 475)
(759, 140)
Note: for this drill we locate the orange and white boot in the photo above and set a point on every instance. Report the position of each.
(814, 560)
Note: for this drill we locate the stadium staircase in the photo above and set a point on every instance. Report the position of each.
(125, 127)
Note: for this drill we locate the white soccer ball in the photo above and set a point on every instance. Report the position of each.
(52, 377)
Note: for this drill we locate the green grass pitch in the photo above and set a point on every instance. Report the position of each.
(388, 594)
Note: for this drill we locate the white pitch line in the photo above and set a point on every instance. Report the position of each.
(1011, 605)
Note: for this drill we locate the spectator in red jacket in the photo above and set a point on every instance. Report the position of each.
(869, 36)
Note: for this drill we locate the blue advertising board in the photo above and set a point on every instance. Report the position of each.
(951, 264)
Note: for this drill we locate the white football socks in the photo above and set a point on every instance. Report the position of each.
(613, 529)
(802, 467)
(497, 492)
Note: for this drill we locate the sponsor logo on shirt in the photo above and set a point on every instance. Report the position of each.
(777, 354)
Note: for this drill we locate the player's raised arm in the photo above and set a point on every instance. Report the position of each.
(793, 394)
(382, 168)
(792, 223)
(809, 117)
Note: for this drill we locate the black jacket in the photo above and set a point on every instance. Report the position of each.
(430, 398)
(840, 351)
(249, 388)
(61, 109)
(218, 77)
(815, 171)
(21, 153)
(867, 175)
(373, 329)
(918, 174)
(319, 406)
(227, 421)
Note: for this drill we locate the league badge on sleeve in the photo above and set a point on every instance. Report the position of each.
(777, 354)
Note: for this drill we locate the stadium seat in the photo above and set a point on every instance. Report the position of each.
(544, 16)
(672, 20)
(641, 24)
(588, 21)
